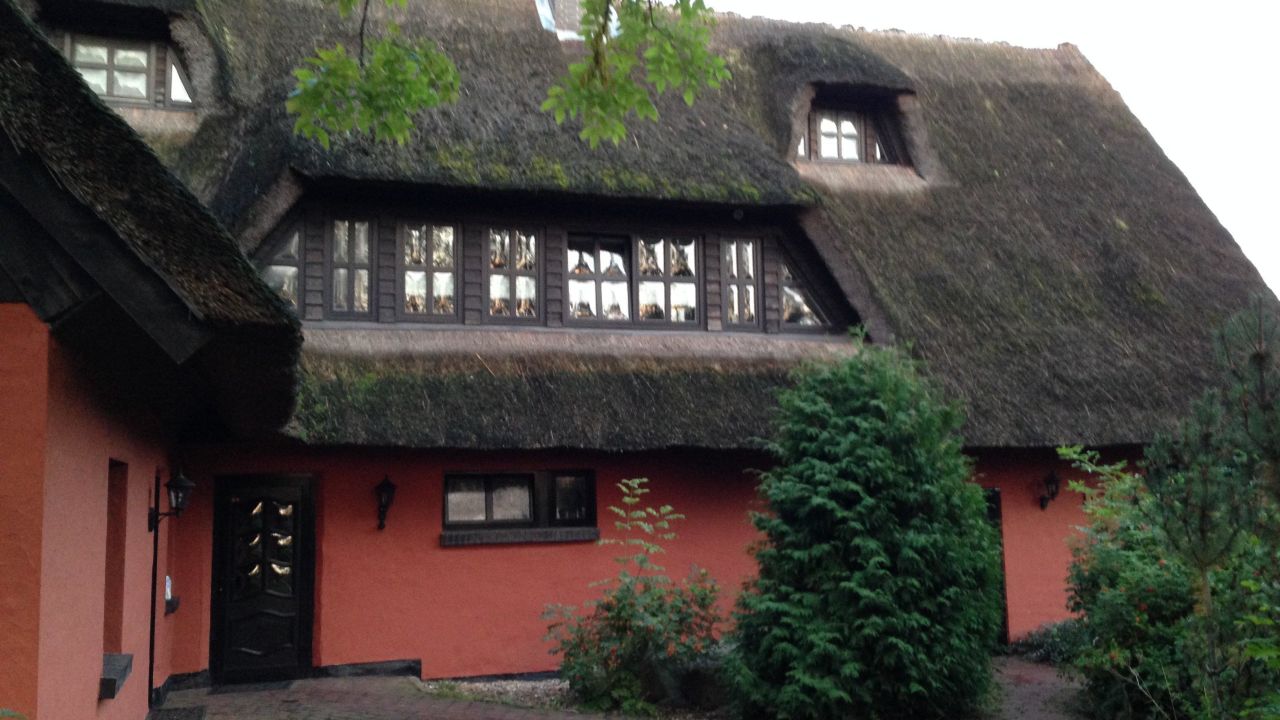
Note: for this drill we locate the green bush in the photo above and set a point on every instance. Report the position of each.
(632, 649)
(878, 587)
(1058, 643)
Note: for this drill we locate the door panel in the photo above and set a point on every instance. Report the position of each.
(263, 551)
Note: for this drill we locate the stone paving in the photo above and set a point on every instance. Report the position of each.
(1028, 692)
(354, 698)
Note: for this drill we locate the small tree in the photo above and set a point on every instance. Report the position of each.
(878, 587)
(628, 650)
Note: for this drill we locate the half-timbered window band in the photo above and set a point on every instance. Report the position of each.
(512, 271)
(741, 281)
(282, 274)
(351, 281)
(599, 272)
(668, 282)
(430, 270)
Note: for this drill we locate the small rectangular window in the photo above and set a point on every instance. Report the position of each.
(853, 136)
(519, 500)
(740, 278)
(351, 274)
(668, 280)
(512, 273)
(428, 258)
(599, 272)
(115, 69)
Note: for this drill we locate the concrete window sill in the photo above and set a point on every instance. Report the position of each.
(513, 536)
(115, 670)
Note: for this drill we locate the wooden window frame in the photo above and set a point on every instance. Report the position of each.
(511, 273)
(271, 258)
(800, 280)
(757, 282)
(667, 279)
(371, 265)
(401, 234)
(598, 277)
(171, 58)
(114, 44)
(875, 128)
(541, 485)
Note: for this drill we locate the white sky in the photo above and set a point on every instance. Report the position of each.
(1201, 77)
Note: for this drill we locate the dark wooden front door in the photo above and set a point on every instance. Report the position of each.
(264, 550)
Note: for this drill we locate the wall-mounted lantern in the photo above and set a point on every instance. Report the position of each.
(386, 492)
(179, 490)
(1051, 487)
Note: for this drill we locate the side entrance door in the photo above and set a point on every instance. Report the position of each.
(263, 578)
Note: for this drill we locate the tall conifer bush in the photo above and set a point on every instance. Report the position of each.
(878, 586)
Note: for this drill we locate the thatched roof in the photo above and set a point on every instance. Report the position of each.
(1047, 259)
(49, 115)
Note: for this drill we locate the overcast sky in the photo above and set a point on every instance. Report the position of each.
(1200, 76)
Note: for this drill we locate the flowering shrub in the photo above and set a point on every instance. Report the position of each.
(630, 649)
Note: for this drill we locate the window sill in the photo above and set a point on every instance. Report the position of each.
(511, 536)
(115, 669)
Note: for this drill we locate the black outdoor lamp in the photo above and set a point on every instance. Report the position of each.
(179, 490)
(1051, 486)
(386, 492)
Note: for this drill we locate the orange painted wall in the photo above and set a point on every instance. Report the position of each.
(85, 432)
(24, 347)
(397, 594)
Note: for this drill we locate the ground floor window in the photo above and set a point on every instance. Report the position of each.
(542, 506)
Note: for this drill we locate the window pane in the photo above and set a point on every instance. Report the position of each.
(828, 143)
(683, 260)
(131, 59)
(796, 309)
(684, 302)
(732, 311)
(526, 297)
(465, 501)
(360, 243)
(360, 301)
(850, 148)
(880, 153)
(340, 241)
(96, 79)
(129, 84)
(747, 259)
(177, 89)
(499, 248)
(442, 287)
(582, 299)
(653, 257)
(653, 301)
(581, 258)
(616, 302)
(730, 259)
(89, 53)
(442, 247)
(613, 260)
(800, 148)
(748, 304)
(284, 280)
(340, 289)
(572, 498)
(499, 295)
(526, 252)
(511, 499)
(290, 249)
(415, 291)
(415, 246)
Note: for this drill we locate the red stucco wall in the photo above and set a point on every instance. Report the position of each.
(397, 594)
(24, 344)
(57, 438)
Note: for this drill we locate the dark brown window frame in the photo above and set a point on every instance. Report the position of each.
(371, 265)
(402, 227)
(114, 44)
(597, 239)
(542, 525)
(276, 246)
(757, 283)
(512, 274)
(876, 125)
(634, 279)
(799, 280)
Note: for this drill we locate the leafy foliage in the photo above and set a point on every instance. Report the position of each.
(1058, 643)
(376, 91)
(628, 650)
(878, 587)
(639, 50)
(1179, 562)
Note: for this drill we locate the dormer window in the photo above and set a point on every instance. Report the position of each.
(130, 71)
(852, 128)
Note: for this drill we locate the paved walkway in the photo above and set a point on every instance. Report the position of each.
(1028, 692)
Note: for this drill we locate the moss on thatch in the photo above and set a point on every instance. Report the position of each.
(470, 401)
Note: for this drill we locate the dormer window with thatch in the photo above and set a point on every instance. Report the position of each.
(852, 126)
(130, 71)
